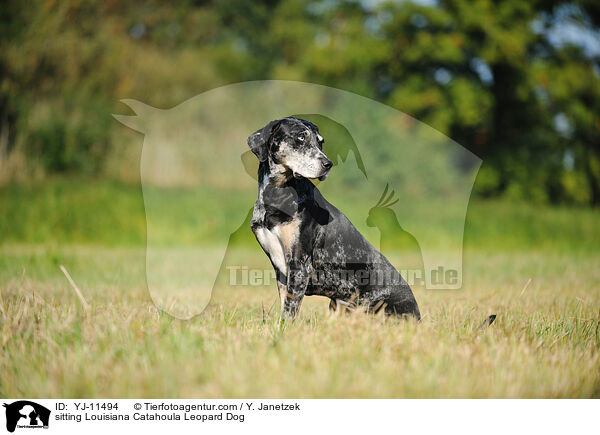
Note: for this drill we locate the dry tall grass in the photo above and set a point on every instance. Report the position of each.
(544, 343)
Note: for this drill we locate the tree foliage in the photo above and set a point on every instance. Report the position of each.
(517, 83)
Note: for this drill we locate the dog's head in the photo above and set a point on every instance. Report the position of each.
(294, 144)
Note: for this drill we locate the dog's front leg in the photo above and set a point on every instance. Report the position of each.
(299, 272)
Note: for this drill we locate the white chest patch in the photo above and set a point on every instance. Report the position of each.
(271, 243)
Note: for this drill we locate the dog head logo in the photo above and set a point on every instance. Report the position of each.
(26, 414)
(199, 181)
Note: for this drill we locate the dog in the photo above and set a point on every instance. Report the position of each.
(313, 247)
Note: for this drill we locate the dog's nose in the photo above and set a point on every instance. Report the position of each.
(327, 164)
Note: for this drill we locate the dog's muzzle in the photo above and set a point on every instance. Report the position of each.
(327, 165)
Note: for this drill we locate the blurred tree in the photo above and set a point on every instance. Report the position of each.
(474, 70)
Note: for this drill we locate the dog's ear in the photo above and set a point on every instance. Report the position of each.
(258, 140)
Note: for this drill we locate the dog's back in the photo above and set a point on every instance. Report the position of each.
(352, 268)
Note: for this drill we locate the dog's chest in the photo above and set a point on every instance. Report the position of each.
(279, 240)
(276, 221)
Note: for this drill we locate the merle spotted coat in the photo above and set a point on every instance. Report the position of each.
(313, 247)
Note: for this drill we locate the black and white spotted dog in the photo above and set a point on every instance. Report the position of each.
(313, 247)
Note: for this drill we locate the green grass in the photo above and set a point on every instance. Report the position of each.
(80, 211)
(544, 343)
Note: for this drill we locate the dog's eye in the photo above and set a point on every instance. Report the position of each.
(301, 138)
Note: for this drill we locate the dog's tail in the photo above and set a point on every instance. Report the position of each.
(488, 321)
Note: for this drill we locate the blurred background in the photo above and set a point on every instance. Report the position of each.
(517, 83)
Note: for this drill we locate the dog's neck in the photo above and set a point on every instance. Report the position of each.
(270, 172)
(277, 187)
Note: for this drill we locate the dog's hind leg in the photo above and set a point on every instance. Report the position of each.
(342, 306)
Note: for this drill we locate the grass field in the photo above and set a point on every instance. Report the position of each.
(537, 268)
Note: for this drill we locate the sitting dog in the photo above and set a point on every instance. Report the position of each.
(313, 247)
